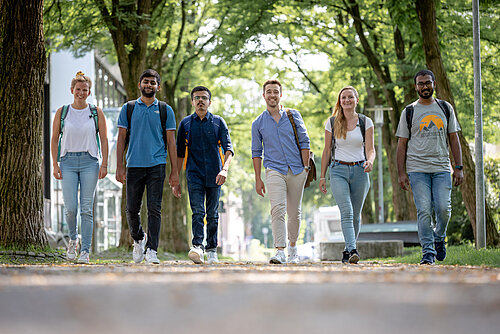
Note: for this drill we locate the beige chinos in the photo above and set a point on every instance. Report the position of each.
(285, 194)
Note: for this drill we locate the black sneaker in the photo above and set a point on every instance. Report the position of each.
(345, 257)
(427, 258)
(440, 247)
(353, 256)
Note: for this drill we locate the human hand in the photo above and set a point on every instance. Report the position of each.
(322, 185)
(121, 175)
(458, 177)
(404, 182)
(57, 172)
(103, 171)
(259, 187)
(221, 177)
(368, 165)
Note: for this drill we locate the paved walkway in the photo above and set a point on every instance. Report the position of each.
(180, 297)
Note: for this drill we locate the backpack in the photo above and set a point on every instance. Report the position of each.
(362, 126)
(409, 114)
(163, 120)
(93, 114)
(187, 133)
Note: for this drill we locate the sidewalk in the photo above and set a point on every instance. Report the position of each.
(179, 297)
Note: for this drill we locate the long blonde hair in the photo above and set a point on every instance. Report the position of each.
(81, 77)
(340, 124)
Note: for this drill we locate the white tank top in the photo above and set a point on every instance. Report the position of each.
(79, 132)
(351, 148)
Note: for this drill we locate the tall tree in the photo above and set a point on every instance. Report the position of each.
(21, 87)
(427, 16)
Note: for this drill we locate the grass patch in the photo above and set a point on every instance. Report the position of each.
(464, 255)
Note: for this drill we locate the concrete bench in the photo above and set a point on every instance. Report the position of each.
(332, 251)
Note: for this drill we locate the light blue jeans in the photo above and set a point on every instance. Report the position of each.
(431, 191)
(350, 185)
(79, 169)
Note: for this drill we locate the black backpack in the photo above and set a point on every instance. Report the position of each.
(362, 126)
(163, 119)
(410, 109)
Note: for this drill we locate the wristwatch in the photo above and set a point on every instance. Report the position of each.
(459, 167)
(308, 168)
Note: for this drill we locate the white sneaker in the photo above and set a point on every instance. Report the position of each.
(151, 257)
(293, 257)
(71, 251)
(84, 257)
(212, 257)
(196, 255)
(138, 252)
(279, 258)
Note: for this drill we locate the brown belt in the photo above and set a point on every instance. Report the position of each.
(349, 163)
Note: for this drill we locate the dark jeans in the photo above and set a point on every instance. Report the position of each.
(197, 195)
(152, 179)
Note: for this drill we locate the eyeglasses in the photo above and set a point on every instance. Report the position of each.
(423, 84)
(197, 98)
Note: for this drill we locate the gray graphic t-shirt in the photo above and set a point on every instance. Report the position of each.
(428, 148)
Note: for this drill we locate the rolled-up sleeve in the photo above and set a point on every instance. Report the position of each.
(256, 141)
(226, 143)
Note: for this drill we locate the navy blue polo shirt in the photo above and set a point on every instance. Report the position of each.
(203, 161)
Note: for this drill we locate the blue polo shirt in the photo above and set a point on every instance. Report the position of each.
(203, 161)
(146, 147)
(277, 140)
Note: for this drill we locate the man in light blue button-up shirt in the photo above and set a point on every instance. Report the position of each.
(286, 168)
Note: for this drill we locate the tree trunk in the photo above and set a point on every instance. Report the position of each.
(23, 62)
(427, 16)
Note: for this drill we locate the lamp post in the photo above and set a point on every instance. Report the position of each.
(379, 122)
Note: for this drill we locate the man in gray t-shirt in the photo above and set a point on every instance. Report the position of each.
(425, 151)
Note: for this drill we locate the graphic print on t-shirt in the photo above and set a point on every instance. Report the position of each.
(429, 124)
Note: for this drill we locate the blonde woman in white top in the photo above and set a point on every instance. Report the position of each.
(78, 131)
(350, 162)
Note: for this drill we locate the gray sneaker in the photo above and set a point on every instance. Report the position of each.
(279, 258)
(212, 257)
(293, 257)
(151, 257)
(138, 252)
(84, 257)
(71, 251)
(196, 254)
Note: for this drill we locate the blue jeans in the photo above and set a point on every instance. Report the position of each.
(431, 191)
(138, 179)
(350, 185)
(79, 169)
(197, 195)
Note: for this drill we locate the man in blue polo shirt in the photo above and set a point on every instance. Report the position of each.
(286, 168)
(203, 140)
(146, 162)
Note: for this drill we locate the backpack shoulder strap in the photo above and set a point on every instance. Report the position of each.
(130, 110)
(446, 109)
(409, 118)
(217, 122)
(362, 125)
(163, 119)
(64, 113)
(332, 149)
(93, 113)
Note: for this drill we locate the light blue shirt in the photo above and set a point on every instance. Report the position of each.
(277, 140)
(146, 147)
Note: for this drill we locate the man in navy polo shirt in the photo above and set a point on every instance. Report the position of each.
(146, 162)
(203, 140)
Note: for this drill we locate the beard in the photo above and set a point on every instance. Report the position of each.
(426, 93)
(148, 94)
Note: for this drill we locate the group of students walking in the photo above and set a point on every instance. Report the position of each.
(280, 143)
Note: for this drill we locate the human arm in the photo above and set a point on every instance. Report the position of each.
(222, 176)
(259, 184)
(121, 175)
(369, 149)
(173, 179)
(403, 180)
(54, 144)
(103, 136)
(456, 151)
(325, 160)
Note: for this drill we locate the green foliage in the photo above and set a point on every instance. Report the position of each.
(463, 255)
(492, 172)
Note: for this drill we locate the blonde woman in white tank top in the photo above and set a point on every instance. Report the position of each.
(79, 163)
(349, 169)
